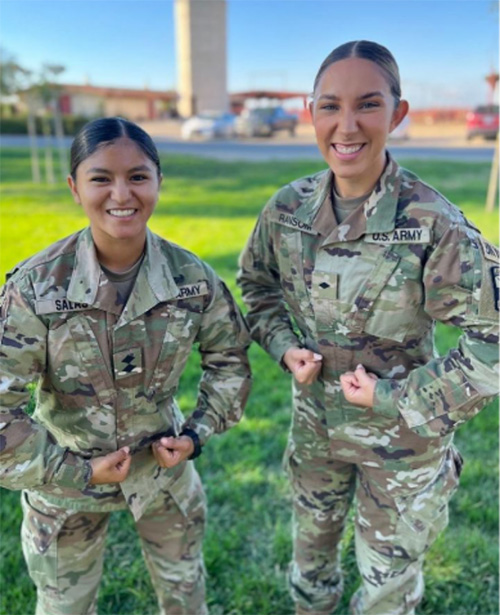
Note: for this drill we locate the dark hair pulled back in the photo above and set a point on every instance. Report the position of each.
(105, 131)
(366, 50)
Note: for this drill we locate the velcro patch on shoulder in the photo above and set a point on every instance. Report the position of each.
(401, 235)
(495, 279)
(192, 290)
(49, 306)
(490, 251)
(293, 222)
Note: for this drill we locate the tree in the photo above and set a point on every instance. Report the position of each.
(13, 79)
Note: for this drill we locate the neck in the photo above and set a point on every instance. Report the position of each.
(352, 187)
(119, 254)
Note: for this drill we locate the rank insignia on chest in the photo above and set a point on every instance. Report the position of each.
(401, 235)
(127, 363)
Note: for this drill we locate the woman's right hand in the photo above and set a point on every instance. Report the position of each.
(304, 364)
(111, 468)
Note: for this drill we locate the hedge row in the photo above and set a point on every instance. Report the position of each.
(18, 125)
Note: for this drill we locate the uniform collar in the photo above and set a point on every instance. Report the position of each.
(376, 215)
(154, 283)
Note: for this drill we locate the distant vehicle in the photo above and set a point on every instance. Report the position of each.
(265, 121)
(209, 126)
(482, 122)
(401, 132)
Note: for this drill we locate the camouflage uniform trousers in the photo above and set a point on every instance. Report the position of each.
(401, 485)
(64, 551)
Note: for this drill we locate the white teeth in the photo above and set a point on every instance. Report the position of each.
(121, 213)
(347, 149)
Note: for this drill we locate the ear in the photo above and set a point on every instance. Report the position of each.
(74, 191)
(310, 106)
(399, 113)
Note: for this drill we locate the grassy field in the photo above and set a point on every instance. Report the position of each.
(210, 207)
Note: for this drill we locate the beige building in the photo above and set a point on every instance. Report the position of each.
(200, 27)
(137, 105)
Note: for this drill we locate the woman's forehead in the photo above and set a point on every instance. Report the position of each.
(352, 76)
(118, 152)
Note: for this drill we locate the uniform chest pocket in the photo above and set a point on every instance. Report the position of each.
(294, 274)
(370, 291)
(391, 304)
(76, 366)
(180, 333)
(346, 284)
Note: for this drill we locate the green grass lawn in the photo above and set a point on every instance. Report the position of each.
(210, 207)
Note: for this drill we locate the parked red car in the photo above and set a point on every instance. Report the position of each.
(483, 122)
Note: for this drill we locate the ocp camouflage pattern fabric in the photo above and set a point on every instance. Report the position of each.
(106, 374)
(369, 291)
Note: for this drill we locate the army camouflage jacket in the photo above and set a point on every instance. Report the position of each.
(370, 290)
(107, 373)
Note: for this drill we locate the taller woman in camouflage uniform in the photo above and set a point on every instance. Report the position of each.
(104, 322)
(344, 277)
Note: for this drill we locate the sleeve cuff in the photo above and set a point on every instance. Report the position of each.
(202, 426)
(280, 344)
(196, 441)
(386, 396)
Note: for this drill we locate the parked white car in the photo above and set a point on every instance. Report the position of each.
(208, 126)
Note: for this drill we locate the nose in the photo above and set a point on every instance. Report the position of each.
(120, 192)
(347, 122)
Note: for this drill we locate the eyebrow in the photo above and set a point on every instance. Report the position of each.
(363, 97)
(142, 167)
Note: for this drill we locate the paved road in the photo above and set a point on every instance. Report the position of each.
(255, 151)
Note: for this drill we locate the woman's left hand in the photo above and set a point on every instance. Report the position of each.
(359, 387)
(169, 452)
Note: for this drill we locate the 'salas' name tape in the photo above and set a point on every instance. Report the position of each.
(49, 306)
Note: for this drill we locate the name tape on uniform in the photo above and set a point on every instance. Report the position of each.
(401, 235)
(192, 290)
(48, 306)
(293, 222)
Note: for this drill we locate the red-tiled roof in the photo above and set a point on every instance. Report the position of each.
(110, 92)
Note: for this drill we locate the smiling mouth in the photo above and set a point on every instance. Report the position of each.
(347, 149)
(121, 213)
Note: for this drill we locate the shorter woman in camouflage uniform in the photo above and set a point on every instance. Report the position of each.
(104, 321)
(344, 277)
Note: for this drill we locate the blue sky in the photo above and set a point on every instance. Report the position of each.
(444, 47)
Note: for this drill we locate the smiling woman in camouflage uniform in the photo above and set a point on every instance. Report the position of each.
(104, 322)
(344, 277)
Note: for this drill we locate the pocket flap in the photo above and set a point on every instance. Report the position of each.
(42, 520)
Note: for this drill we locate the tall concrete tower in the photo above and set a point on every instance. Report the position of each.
(201, 55)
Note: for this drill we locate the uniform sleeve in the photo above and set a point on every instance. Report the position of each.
(259, 279)
(29, 455)
(225, 382)
(461, 288)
